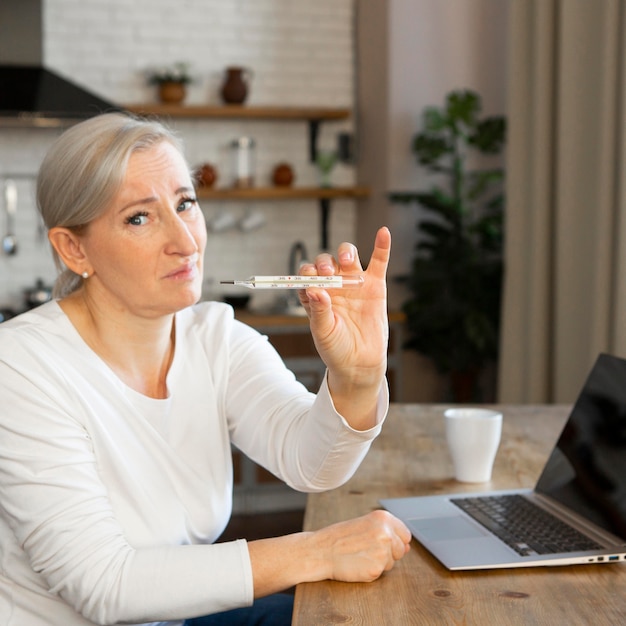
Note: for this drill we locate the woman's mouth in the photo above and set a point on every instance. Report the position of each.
(189, 271)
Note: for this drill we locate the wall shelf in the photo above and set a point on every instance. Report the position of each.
(240, 112)
(281, 193)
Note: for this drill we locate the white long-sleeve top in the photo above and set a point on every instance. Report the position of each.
(110, 500)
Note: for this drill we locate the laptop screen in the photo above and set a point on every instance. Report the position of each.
(587, 468)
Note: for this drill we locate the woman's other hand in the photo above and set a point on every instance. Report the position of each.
(357, 550)
(361, 549)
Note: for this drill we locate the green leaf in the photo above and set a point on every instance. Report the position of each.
(430, 148)
(434, 120)
(463, 106)
(489, 136)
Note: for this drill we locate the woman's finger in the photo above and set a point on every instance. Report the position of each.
(381, 253)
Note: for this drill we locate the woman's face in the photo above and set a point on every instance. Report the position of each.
(146, 250)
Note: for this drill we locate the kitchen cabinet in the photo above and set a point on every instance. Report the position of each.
(314, 116)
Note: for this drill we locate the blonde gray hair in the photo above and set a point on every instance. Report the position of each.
(83, 171)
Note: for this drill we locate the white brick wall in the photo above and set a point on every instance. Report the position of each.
(301, 53)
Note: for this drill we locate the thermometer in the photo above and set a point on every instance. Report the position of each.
(298, 282)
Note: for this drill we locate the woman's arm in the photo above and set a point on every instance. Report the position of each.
(358, 550)
(351, 330)
(297, 435)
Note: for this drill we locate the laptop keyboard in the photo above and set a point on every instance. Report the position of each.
(524, 526)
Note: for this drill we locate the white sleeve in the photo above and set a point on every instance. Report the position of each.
(297, 435)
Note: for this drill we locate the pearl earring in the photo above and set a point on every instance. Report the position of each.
(85, 274)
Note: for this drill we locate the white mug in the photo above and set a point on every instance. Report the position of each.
(473, 437)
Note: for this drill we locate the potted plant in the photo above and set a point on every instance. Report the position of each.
(455, 279)
(171, 81)
(325, 162)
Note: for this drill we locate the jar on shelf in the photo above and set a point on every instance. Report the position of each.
(206, 175)
(243, 150)
(282, 175)
(235, 85)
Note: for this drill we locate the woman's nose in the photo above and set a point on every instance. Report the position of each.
(181, 237)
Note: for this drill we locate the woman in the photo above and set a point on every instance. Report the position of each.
(120, 399)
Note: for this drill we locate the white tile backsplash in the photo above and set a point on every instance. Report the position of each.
(300, 52)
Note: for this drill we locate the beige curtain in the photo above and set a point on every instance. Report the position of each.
(565, 284)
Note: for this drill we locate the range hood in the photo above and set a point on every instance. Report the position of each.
(31, 93)
(34, 95)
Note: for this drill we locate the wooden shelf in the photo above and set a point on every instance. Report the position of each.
(240, 112)
(281, 193)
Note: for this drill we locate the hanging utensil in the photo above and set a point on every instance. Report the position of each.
(9, 241)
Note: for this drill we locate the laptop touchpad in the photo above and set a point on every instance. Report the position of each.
(446, 528)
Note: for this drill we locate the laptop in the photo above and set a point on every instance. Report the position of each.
(576, 514)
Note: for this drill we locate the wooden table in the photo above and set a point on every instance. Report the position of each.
(410, 458)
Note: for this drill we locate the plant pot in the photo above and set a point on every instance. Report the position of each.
(171, 92)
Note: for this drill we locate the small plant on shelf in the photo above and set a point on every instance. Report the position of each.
(171, 82)
(325, 162)
(176, 73)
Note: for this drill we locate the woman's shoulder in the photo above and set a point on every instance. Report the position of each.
(45, 319)
(38, 340)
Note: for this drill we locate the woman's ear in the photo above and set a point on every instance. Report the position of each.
(68, 246)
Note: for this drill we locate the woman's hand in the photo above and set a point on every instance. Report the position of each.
(361, 549)
(350, 327)
(358, 550)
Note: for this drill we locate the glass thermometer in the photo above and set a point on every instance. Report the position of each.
(298, 282)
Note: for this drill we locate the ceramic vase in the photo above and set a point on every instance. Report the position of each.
(235, 85)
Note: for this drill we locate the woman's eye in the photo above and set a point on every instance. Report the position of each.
(139, 219)
(186, 204)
